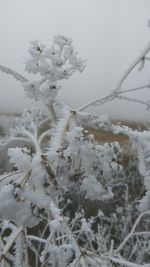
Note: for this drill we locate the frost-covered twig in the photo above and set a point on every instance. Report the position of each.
(132, 67)
(12, 239)
(36, 238)
(132, 230)
(126, 263)
(116, 93)
(15, 74)
(5, 176)
(131, 99)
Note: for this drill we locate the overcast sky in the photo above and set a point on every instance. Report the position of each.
(110, 34)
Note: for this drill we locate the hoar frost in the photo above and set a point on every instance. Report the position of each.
(59, 158)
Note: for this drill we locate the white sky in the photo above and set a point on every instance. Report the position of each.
(110, 34)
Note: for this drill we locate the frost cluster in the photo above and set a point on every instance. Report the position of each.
(61, 165)
(52, 65)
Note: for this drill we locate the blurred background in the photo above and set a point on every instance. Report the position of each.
(109, 34)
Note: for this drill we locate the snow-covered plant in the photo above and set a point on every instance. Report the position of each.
(61, 161)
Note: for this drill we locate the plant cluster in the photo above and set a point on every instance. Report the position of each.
(69, 201)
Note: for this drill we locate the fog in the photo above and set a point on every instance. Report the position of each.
(109, 34)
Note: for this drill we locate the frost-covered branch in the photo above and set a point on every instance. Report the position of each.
(118, 91)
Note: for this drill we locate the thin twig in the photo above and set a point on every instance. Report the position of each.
(132, 230)
(5, 176)
(14, 73)
(117, 90)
